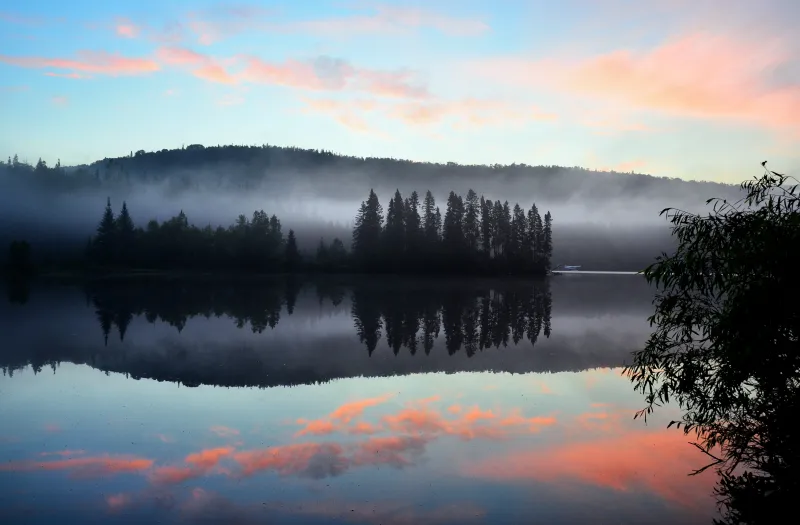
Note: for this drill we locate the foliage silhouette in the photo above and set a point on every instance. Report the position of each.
(402, 242)
(725, 344)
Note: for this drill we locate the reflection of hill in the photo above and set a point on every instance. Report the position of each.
(283, 333)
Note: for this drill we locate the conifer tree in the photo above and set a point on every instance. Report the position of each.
(125, 235)
(292, 255)
(430, 225)
(413, 223)
(368, 229)
(547, 240)
(472, 232)
(104, 241)
(486, 226)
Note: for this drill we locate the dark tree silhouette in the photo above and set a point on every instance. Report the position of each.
(292, 254)
(725, 345)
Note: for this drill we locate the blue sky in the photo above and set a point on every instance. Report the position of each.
(703, 89)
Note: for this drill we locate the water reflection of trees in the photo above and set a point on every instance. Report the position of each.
(409, 315)
(472, 319)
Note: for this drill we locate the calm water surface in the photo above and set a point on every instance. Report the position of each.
(368, 401)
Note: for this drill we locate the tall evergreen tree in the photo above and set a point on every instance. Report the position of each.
(518, 231)
(368, 229)
(471, 226)
(430, 225)
(547, 240)
(104, 241)
(125, 235)
(395, 234)
(486, 226)
(413, 223)
(292, 255)
(453, 229)
(535, 233)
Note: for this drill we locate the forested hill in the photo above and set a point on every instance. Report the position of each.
(323, 173)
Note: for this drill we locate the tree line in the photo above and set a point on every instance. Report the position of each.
(475, 235)
(411, 317)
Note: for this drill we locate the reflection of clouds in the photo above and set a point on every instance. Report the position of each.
(340, 418)
(197, 465)
(85, 466)
(619, 459)
(223, 431)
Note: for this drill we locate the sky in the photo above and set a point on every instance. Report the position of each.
(700, 89)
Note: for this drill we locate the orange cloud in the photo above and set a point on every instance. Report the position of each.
(658, 462)
(392, 20)
(98, 62)
(340, 418)
(471, 424)
(201, 66)
(126, 29)
(698, 75)
(198, 464)
(309, 459)
(84, 467)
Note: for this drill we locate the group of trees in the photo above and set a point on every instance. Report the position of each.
(412, 317)
(474, 235)
(256, 244)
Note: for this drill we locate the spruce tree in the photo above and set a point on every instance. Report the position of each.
(368, 229)
(547, 240)
(125, 236)
(395, 234)
(429, 220)
(292, 255)
(486, 226)
(104, 241)
(413, 223)
(471, 226)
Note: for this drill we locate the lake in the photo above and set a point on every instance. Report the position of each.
(342, 400)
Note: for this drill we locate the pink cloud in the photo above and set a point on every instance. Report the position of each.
(84, 466)
(52, 428)
(73, 76)
(341, 417)
(392, 20)
(60, 101)
(98, 62)
(461, 114)
(701, 75)
(118, 501)
(332, 74)
(126, 29)
(196, 465)
(658, 462)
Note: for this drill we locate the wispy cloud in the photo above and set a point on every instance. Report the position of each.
(462, 114)
(384, 19)
(126, 29)
(97, 62)
(700, 75)
(60, 101)
(85, 466)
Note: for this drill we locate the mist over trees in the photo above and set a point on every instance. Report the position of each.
(607, 220)
(474, 236)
